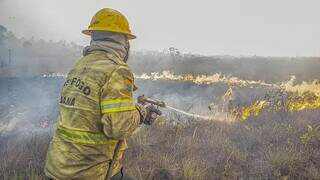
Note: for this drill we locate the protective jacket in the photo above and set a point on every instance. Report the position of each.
(96, 111)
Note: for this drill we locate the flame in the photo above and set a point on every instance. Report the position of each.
(288, 97)
(292, 102)
(253, 110)
(306, 101)
(220, 78)
(313, 86)
(201, 79)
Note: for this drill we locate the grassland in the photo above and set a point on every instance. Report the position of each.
(272, 146)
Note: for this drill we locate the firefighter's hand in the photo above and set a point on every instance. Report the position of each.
(152, 114)
(148, 113)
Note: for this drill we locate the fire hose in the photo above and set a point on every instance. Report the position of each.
(162, 104)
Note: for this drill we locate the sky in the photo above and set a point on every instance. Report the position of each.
(207, 27)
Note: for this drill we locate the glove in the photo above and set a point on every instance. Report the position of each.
(148, 113)
(152, 114)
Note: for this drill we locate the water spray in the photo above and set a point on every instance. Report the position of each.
(190, 114)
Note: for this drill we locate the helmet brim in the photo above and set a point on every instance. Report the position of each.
(89, 32)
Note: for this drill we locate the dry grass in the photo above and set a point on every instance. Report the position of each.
(22, 157)
(287, 147)
(257, 149)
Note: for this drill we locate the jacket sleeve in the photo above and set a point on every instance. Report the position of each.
(119, 114)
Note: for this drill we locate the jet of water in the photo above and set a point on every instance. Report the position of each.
(190, 114)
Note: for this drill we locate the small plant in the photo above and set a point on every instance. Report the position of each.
(310, 135)
(191, 170)
(286, 163)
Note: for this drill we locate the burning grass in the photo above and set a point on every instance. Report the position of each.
(279, 101)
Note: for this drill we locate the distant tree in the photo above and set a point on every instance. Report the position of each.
(174, 52)
(27, 44)
(1, 62)
(3, 31)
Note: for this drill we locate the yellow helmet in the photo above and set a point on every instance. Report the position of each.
(109, 20)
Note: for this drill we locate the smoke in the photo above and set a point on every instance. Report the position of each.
(30, 104)
(20, 57)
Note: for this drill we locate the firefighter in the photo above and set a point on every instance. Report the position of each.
(97, 110)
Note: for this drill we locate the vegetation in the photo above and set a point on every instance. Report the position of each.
(259, 148)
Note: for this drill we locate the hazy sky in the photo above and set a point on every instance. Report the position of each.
(211, 27)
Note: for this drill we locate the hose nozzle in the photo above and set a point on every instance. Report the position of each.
(143, 99)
